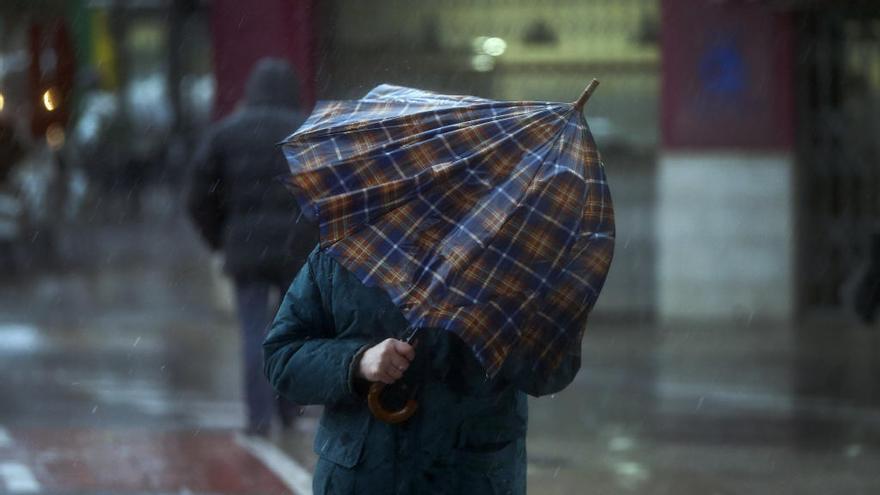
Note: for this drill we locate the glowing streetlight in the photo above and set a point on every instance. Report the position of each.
(494, 46)
(486, 49)
(49, 100)
(55, 136)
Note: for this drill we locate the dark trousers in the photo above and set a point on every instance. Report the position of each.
(257, 301)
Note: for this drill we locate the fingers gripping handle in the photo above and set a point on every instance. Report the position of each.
(374, 396)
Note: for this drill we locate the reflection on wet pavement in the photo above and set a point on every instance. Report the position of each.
(705, 409)
(125, 379)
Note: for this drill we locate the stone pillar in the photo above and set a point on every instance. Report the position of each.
(725, 179)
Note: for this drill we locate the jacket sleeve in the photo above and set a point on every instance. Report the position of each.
(536, 384)
(204, 193)
(303, 360)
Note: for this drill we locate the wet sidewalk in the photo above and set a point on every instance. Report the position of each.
(121, 375)
(124, 377)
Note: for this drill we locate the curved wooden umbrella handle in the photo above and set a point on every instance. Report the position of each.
(382, 414)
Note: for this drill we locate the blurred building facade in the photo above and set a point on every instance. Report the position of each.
(738, 135)
(726, 214)
(526, 50)
(767, 176)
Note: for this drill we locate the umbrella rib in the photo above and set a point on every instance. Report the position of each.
(409, 141)
(332, 126)
(511, 137)
(483, 205)
(540, 159)
(505, 255)
(412, 227)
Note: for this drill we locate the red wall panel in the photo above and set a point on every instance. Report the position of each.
(244, 32)
(727, 76)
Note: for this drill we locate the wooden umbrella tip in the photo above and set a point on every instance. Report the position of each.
(588, 91)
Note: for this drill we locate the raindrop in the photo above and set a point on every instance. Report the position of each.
(94, 409)
(620, 444)
(853, 451)
(631, 470)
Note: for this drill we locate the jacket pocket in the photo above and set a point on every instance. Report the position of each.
(488, 455)
(488, 471)
(341, 433)
(332, 479)
(488, 433)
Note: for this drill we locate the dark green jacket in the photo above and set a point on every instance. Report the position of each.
(468, 435)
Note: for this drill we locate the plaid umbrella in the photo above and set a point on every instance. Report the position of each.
(492, 220)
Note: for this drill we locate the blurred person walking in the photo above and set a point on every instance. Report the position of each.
(11, 151)
(866, 300)
(241, 209)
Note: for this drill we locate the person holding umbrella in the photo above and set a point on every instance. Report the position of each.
(463, 242)
(240, 208)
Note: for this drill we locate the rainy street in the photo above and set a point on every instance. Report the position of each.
(657, 220)
(126, 380)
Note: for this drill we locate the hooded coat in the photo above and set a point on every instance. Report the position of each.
(234, 195)
(468, 434)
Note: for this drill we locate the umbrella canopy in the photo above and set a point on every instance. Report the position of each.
(492, 220)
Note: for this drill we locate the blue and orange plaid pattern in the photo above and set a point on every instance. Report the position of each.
(492, 220)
